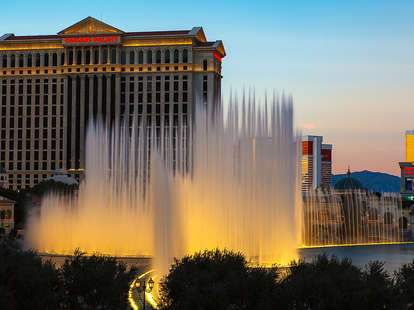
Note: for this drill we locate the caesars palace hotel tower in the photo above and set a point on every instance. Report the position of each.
(51, 86)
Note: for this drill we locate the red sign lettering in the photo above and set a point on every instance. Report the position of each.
(409, 170)
(92, 39)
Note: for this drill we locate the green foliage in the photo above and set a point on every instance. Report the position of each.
(329, 283)
(26, 282)
(218, 280)
(223, 280)
(404, 284)
(47, 186)
(378, 290)
(95, 282)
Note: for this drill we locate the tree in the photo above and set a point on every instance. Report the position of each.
(218, 280)
(26, 282)
(95, 282)
(404, 284)
(378, 288)
(324, 283)
(47, 186)
(329, 283)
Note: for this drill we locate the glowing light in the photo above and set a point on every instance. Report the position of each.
(353, 244)
(217, 56)
(148, 295)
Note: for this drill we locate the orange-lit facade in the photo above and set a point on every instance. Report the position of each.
(409, 146)
(316, 163)
(51, 86)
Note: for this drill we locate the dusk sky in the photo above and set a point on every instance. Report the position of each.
(349, 66)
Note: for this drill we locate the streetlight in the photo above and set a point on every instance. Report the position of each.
(145, 288)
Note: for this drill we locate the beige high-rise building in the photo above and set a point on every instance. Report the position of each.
(409, 146)
(316, 163)
(51, 86)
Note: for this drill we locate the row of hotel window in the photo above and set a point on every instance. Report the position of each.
(50, 131)
(20, 89)
(31, 145)
(96, 57)
(31, 166)
(141, 109)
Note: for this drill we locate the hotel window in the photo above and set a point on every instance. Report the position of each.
(70, 58)
(46, 60)
(131, 57)
(167, 56)
(79, 57)
(62, 59)
(29, 60)
(4, 61)
(21, 60)
(140, 57)
(205, 64)
(113, 56)
(88, 57)
(149, 57)
(185, 56)
(54, 59)
(105, 56)
(176, 60)
(96, 56)
(158, 57)
(12, 61)
(123, 57)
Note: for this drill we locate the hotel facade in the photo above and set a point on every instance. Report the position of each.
(51, 86)
(316, 162)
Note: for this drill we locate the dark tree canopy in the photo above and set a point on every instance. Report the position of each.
(329, 283)
(218, 280)
(26, 282)
(95, 282)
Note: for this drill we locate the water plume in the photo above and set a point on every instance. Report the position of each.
(226, 179)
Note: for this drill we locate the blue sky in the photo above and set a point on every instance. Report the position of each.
(349, 65)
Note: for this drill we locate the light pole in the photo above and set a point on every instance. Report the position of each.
(145, 288)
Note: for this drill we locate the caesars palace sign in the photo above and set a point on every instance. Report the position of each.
(92, 40)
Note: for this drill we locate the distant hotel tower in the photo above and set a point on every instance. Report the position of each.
(407, 172)
(409, 146)
(316, 163)
(52, 85)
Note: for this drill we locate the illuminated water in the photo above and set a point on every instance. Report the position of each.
(355, 217)
(229, 181)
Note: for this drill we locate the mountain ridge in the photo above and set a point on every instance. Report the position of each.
(374, 181)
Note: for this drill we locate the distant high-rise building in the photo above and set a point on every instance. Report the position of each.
(409, 146)
(407, 171)
(316, 163)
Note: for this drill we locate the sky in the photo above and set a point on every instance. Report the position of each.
(349, 65)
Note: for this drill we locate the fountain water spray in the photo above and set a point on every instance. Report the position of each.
(224, 180)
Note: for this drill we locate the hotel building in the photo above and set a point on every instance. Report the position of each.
(409, 146)
(316, 161)
(51, 86)
(407, 171)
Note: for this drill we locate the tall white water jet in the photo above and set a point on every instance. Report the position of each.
(227, 180)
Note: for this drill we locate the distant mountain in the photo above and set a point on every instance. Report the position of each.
(374, 181)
